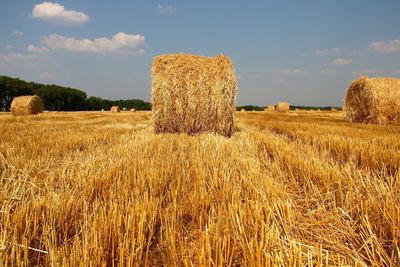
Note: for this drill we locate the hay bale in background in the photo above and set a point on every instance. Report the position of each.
(282, 107)
(27, 105)
(115, 109)
(373, 100)
(133, 110)
(270, 108)
(193, 94)
(242, 110)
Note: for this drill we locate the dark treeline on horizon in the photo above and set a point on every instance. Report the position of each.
(258, 108)
(60, 98)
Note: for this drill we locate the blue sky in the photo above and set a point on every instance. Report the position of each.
(305, 52)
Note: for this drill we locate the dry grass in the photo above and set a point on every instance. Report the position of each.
(193, 94)
(100, 188)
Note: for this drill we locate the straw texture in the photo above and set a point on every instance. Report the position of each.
(282, 107)
(115, 109)
(193, 94)
(26, 105)
(373, 100)
(270, 108)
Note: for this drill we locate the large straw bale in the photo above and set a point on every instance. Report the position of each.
(133, 110)
(373, 100)
(115, 109)
(193, 94)
(27, 105)
(282, 107)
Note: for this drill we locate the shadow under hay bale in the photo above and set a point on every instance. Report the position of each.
(27, 105)
(373, 100)
(282, 107)
(193, 94)
(115, 109)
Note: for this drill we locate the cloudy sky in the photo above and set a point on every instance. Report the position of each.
(305, 52)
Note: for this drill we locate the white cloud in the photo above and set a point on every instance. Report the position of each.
(9, 46)
(341, 61)
(324, 52)
(327, 71)
(120, 43)
(37, 49)
(396, 72)
(293, 72)
(12, 61)
(365, 72)
(18, 33)
(56, 13)
(391, 46)
(165, 9)
(30, 66)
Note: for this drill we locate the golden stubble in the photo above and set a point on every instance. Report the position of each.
(295, 189)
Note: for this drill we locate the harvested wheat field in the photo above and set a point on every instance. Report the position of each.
(102, 189)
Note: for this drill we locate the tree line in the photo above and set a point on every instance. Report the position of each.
(60, 98)
(258, 108)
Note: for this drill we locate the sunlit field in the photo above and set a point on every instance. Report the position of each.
(101, 189)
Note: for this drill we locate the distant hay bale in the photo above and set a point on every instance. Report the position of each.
(270, 108)
(373, 100)
(242, 110)
(27, 105)
(133, 110)
(282, 107)
(333, 109)
(115, 109)
(193, 94)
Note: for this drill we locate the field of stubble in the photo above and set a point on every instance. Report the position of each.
(297, 189)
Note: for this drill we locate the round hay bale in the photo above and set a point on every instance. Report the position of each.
(373, 100)
(282, 107)
(133, 110)
(27, 105)
(193, 94)
(242, 110)
(115, 109)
